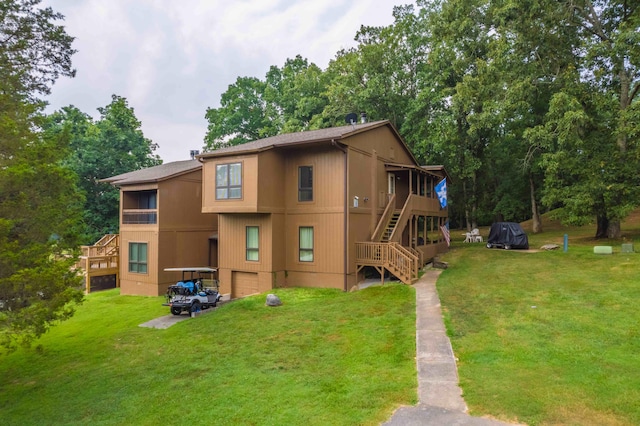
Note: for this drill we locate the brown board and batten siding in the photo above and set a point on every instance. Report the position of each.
(271, 182)
(325, 214)
(348, 162)
(139, 283)
(180, 235)
(279, 231)
(248, 203)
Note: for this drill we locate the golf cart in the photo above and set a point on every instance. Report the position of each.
(507, 235)
(196, 291)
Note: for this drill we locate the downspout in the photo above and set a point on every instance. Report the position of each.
(346, 211)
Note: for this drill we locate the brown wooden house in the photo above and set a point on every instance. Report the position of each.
(319, 208)
(162, 226)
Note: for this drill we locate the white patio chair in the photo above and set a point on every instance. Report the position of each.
(475, 236)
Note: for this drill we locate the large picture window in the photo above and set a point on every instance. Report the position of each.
(305, 183)
(228, 181)
(306, 244)
(253, 237)
(138, 258)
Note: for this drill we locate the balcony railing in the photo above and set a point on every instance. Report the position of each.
(140, 217)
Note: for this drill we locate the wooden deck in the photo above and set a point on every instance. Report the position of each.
(101, 259)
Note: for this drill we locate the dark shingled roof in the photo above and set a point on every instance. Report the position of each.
(154, 174)
(309, 136)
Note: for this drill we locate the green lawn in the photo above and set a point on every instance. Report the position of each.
(323, 357)
(543, 338)
(548, 337)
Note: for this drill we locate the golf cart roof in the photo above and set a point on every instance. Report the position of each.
(191, 269)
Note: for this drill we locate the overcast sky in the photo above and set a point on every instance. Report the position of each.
(173, 59)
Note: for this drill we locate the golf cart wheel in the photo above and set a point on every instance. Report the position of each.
(176, 311)
(195, 306)
(489, 245)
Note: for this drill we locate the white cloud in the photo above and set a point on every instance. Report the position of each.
(172, 60)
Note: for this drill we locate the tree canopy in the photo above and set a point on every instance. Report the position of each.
(529, 105)
(40, 205)
(112, 145)
(288, 99)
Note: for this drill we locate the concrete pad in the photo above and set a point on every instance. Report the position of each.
(426, 415)
(168, 320)
(434, 371)
(165, 321)
(442, 395)
(430, 320)
(434, 347)
(427, 296)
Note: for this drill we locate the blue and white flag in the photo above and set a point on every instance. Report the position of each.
(441, 192)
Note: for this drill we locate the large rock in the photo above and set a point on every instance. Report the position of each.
(438, 264)
(550, 247)
(273, 300)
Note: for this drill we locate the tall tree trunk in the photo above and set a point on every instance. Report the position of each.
(613, 230)
(603, 226)
(467, 219)
(536, 222)
(474, 203)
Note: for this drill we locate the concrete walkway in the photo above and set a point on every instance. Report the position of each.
(440, 397)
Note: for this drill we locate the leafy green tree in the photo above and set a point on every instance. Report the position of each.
(112, 145)
(380, 76)
(453, 117)
(242, 116)
(34, 49)
(290, 99)
(40, 205)
(590, 156)
(548, 87)
(296, 94)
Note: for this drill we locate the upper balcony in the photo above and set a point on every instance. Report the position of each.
(139, 217)
(140, 207)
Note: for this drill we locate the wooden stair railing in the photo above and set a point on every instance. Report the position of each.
(390, 256)
(405, 262)
(101, 258)
(391, 226)
(107, 245)
(384, 220)
(403, 219)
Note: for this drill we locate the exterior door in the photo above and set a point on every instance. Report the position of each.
(244, 284)
(392, 183)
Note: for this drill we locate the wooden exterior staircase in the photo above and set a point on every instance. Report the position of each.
(398, 260)
(391, 226)
(384, 251)
(101, 259)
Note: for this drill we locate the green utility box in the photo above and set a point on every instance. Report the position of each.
(603, 250)
(627, 248)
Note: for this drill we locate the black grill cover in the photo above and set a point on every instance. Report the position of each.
(508, 234)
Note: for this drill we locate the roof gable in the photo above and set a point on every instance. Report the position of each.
(154, 174)
(306, 137)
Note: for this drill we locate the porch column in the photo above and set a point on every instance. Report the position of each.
(374, 192)
(410, 182)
